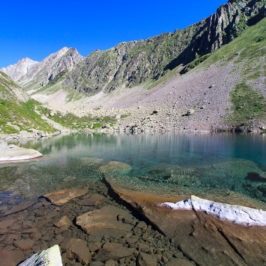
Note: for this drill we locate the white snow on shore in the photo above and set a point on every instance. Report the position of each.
(226, 212)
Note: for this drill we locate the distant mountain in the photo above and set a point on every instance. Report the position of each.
(38, 74)
(17, 71)
(133, 63)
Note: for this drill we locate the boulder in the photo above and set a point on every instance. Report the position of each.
(93, 200)
(10, 257)
(65, 195)
(10, 153)
(104, 221)
(189, 112)
(78, 249)
(64, 223)
(146, 260)
(114, 251)
(180, 262)
(115, 166)
(24, 244)
(49, 257)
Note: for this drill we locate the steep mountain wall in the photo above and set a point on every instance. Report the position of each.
(130, 64)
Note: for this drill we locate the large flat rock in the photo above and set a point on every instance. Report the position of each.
(115, 167)
(114, 251)
(63, 196)
(203, 238)
(105, 221)
(11, 153)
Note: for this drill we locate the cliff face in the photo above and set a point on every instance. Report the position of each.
(220, 28)
(130, 64)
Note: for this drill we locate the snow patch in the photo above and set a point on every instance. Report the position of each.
(226, 212)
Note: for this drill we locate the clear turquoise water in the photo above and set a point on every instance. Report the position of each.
(190, 164)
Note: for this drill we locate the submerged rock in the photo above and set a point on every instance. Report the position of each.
(24, 244)
(233, 213)
(78, 249)
(147, 260)
(105, 221)
(12, 152)
(203, 238)
(49, 257)
(115, 166)
(65, 195)
(10, 257)
(64, 223)
(114, 251)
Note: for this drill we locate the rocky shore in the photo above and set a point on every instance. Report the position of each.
(107, 224)
(11, 153)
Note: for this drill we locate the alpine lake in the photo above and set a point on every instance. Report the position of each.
(222, 167)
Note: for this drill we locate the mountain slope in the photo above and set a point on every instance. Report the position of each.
(226, 91)
(50, 70)
(17, 111)
(131, 64)
(202, 99)
(210, 76)
(17, 71)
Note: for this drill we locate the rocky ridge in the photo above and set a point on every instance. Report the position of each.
(37, 75)
(133, 63)
(17, 71)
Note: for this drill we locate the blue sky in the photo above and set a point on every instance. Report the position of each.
(36, 28)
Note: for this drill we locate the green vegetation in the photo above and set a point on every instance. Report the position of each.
(241, 25)
(194, 63)
(15, 117)
(247, 105)
(249, 48)
(86, 122)
(72, 121)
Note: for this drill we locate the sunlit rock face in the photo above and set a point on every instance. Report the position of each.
(32, 75)
(49, 257)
